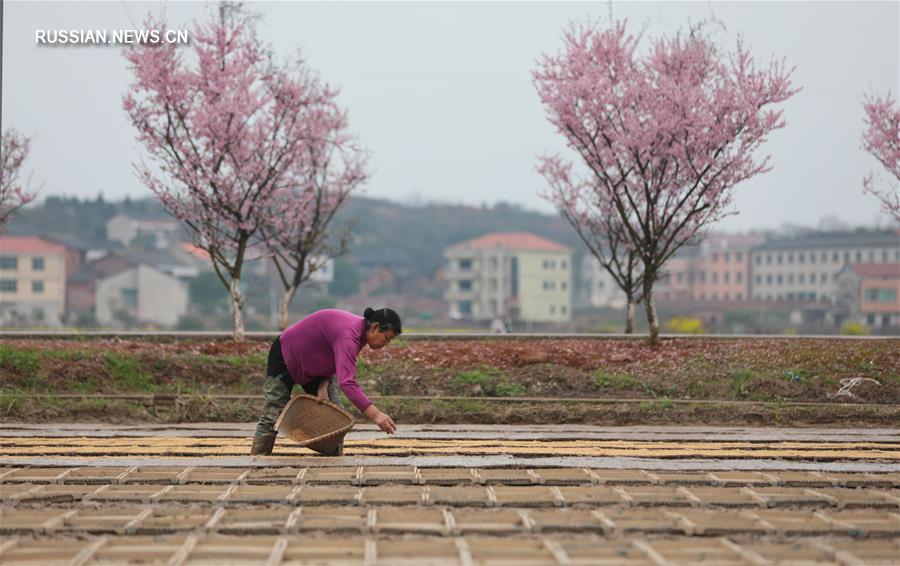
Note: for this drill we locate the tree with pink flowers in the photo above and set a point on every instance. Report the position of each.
(666, 131)
(882, 140)
(596, 222)
(316, 186)
(224, 132)
(14, 148)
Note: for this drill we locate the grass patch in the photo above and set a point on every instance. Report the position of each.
(507, 389)
(607, 380)
(740, 381)
(25, 362)
(126, 372)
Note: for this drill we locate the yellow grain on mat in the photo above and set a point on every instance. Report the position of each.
(220, 442)
(213, 446)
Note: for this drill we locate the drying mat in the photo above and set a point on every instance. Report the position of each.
(317, 426)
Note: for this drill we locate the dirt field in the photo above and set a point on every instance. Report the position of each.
(705, 381)
(451, 495)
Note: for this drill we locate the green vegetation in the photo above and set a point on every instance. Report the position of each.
(486, 380)
(126, 372)
(606, 380)
(25, 362)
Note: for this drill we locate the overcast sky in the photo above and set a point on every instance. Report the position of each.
(441, 93)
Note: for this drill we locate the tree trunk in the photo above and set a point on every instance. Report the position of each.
(629, 316)
(283, 306)
(652, 321)
(237, 309)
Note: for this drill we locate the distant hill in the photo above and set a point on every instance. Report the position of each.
(408, 238)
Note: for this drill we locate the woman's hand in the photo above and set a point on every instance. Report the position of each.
(385, 423)
(322, 393)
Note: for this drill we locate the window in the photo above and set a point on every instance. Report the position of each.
(759, 260)
(846, 257)
(779, 280)
(871, 255)
(715, 277)
(812, 257)
(562, 309)
(790, 296)
(739, 276)
(834, 257)
(881, 295)
(465, 264)
(552, 309)
(824, 279)
(465, 307)
(727, 277)
(9, 262)
(8, 285)
(465, 285)
(739, 296)
(493, 285)
(858, 257)
(778, 259)
(812, 277)
(884, 255)
(37, 287)
(824, 257)
(726, 256)
(493, 264)
(563, 265)
(738, 256)
(759, 279)
(715, 296)
(678, 277)
(790, 279)
(727, 296)
(769, 279)
(549, 264)
(801, 279)
(563, 285)
(129, 296)
(715, 258)
(600, 284)
(703, 277)
(768, 259)
(790, 258)
(37, 264)
(801, 258)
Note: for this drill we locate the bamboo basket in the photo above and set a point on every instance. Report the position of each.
(317, 426)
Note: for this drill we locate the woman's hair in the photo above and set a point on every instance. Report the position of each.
(386, 318)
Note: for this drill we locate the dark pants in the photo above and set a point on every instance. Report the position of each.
(278, 387)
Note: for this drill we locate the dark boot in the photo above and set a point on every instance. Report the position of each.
(263, 444)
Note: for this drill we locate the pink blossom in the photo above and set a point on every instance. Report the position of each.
(14, 148)
(882, 140)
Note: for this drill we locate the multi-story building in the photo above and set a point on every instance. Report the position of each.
(869, 293)
(513, 275)
(598, 288)
(140, 294)
(806, 268)
(32, 281)
(721, 269)
(162, 232)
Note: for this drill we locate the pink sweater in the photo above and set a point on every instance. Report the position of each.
(324, 344)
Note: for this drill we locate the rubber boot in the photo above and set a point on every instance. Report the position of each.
(263, 444)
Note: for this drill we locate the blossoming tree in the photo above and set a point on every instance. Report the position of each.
(14, 148)
(666, 133)
(314, 189)
(594, 218)
(882, 140)
(222, 131)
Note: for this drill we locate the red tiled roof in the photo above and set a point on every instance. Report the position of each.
(512, 240)
(29, 245)
(888, 270)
